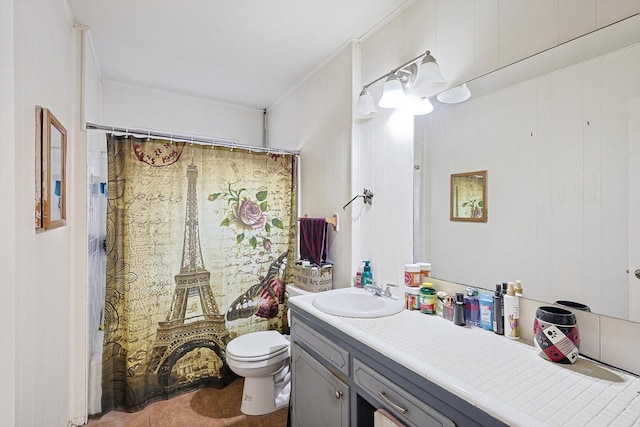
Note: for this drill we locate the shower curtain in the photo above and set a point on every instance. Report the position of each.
(198, 243)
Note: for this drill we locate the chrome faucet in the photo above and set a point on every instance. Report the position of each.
(379, 291)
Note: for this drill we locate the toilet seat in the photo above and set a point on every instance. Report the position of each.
(257, 346)
(274, 356)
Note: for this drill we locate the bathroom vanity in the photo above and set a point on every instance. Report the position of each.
(426, 371)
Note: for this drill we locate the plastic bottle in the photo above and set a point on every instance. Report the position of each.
(412, 275)
(367, 277)
(425, 271)
(427, 298)
(448, 307)
(486, 311)
(511, 314)
(498, 311)
(458, 310)
(440, 297)
(358, 283)
(517, 288)
(472, 307)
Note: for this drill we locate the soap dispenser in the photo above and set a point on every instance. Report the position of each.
(367, 277)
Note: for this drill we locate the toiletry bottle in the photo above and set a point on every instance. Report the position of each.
(458, 310)
(427, 298)
(425, 271)
(412, 275)
(358, 283)
(486, 311)
(440, 297)
(448, 307)
(517, 288)
(511, 314)
(472, 307)
(367, 277)
(498, 311)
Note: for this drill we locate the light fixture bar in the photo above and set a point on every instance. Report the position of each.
(395, 70)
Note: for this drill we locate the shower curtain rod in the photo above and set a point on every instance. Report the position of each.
(216, 142)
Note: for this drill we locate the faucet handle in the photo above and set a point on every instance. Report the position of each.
(387, 291)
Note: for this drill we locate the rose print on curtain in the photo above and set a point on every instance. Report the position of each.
(198, 240)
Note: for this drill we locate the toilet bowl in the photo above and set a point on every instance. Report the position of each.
(262, 358)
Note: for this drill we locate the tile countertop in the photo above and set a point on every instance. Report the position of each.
(505, 378)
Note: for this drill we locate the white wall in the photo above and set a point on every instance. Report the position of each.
(316, 119)
(8, 243)
(136, 107)
(43, 270)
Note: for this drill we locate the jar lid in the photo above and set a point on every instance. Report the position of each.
(425, 265)
(427, 285)
(413, 290)
(412, 267)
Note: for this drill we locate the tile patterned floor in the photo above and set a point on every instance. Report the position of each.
(207, 407)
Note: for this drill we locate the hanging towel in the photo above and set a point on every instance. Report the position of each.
(382, 418)
(314, 244)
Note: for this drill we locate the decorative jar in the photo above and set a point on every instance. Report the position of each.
(555, 334)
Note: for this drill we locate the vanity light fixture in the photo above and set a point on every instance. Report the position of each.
(366, 106)
(454, 95)
(409, 85)
(429, 80)
(392, 93)
(419, 106)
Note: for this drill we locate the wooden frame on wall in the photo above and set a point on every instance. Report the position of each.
(51, 170)
(469, 197)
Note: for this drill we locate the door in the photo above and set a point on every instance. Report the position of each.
(318, 398)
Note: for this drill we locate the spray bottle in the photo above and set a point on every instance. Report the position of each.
(511, 313)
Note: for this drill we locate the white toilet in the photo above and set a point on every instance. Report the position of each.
(262, 358)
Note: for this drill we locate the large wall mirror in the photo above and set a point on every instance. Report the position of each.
(560, 132)
(51, 153)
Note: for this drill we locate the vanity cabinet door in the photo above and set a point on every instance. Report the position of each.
(318, 398)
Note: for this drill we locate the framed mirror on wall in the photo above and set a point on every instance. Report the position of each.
(51, 156)
(469, 197)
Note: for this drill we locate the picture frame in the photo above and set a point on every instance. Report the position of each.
(469, 197)
(51, 170)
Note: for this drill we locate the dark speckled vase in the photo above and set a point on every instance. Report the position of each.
(556, 334)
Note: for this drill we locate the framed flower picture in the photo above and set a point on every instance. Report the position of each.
(469, 196)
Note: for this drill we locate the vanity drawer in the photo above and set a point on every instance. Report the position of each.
(397, 400)
(332, 353)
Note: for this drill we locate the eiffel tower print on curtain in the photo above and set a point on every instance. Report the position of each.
(193, 323)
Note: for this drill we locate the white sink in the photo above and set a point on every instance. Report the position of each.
(356, 302)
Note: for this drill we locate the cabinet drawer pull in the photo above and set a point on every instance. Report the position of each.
(396, 407)
(338, 394)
